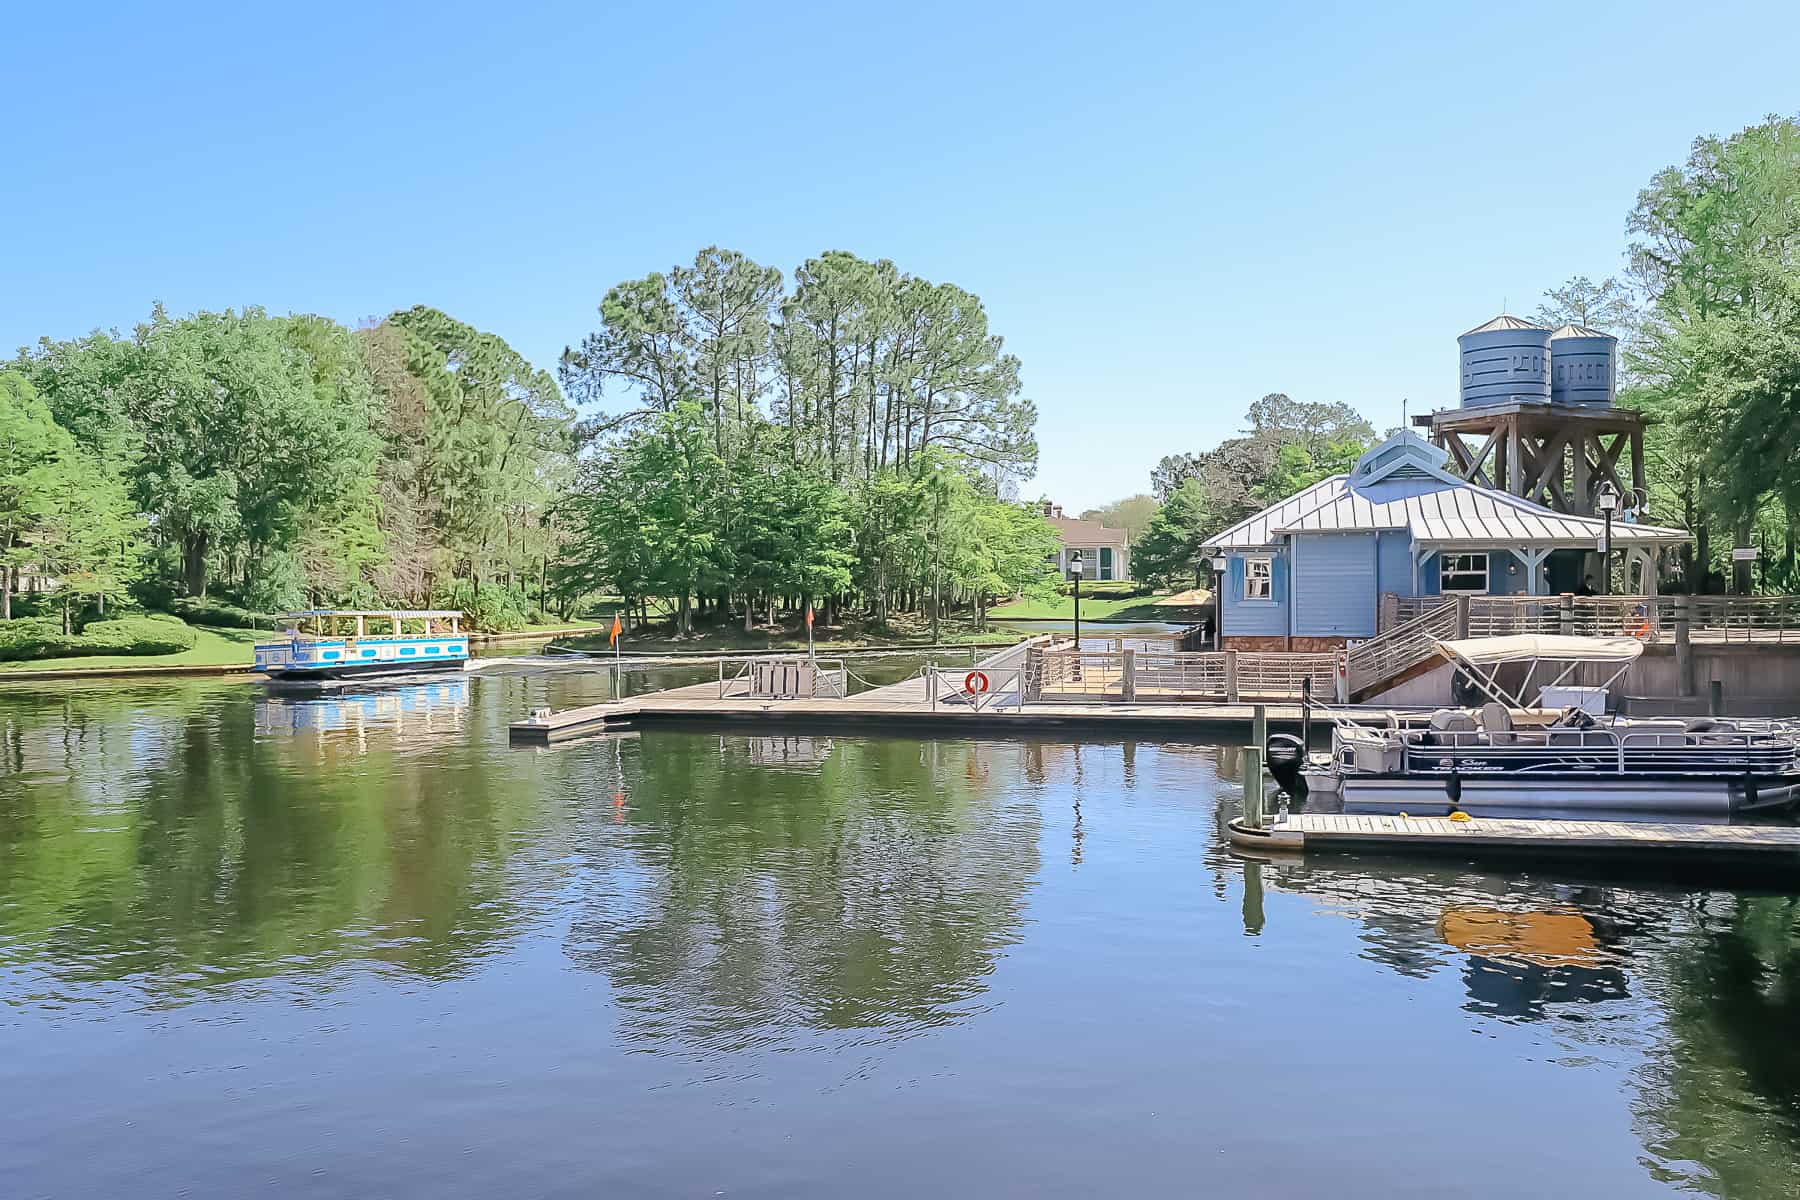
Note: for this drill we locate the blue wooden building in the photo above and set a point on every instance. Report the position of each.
(1309, 572)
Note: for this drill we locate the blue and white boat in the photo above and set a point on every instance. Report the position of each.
(332, 643)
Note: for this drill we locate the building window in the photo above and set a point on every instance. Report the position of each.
(1259, 574)
(1467, 573)
(1106, 562)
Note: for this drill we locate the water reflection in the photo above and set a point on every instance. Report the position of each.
(1717, 1084)
(875, 892)
(409, 714)
(182, 839)
(1037, 953)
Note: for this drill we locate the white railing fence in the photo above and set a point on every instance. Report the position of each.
(976, 688)
(1164, 676)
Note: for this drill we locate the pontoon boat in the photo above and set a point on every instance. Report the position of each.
(1561, 755)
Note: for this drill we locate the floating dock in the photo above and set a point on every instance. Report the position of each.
(1774, 846)
(901, 705)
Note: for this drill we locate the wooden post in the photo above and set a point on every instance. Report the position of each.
(1565, 614)
(1715, 699)
(1259, 726)
(1517, 478)
(1231, 682)
(1128, 676)
(1305, 712)
(1251, 756)
(1462, 616)
(1583, 499)
(1684, 649)
(1253, 897)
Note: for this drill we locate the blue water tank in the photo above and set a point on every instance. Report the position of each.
(1584, 366)
(1506, 359)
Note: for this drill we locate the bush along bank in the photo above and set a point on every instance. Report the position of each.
(26, 638)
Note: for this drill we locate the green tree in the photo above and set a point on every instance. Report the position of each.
(1170, 549)
(1606, 305)
(33, 448)
(88, 535)
(1713, 247)
(61, 508)
(242, 437)
(1133, 514)
(489, 452)
(651, 512)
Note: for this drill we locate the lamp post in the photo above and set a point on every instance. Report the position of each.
(1218, 599)
(1608, 500)
(1075, 568)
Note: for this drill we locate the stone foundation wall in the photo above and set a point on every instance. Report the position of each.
(1275, 643)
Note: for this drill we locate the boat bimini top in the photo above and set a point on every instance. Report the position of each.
(1481, 659)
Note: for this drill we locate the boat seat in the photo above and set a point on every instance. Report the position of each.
(1452, 720)
(1496, 720)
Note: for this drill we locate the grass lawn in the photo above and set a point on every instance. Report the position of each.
(212, 648)
(902, 630)
(601, 623)
(1100, 608)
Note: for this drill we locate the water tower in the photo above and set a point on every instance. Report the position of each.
(1536, 417)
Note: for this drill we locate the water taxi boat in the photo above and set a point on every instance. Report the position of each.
(1560, 755)
(333, 643)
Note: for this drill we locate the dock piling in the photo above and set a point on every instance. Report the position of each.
(1259, 727)
(1252, 757)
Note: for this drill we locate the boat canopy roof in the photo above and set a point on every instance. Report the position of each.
(403, 613)
(1528, 647)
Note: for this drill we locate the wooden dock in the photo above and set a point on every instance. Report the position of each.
(1767, 845)
(899, 705)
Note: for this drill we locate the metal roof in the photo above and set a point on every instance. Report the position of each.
(1573, 330)
(1505, 321)
(1459, 514)
(1259, 530)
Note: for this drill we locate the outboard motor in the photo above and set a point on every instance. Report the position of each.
(1464, 692)
(1286, 756)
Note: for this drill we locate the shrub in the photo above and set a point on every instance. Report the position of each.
(136, 635)
(26, 638)
(34, 637)
(491, 609)
(219, 613)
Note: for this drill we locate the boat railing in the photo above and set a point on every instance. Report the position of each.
(1671, 750)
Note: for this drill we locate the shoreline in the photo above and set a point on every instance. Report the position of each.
(224, 670)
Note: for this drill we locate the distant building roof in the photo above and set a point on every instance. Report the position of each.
(1085, 533)
(1402, 484)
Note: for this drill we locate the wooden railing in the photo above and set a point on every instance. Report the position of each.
(1402, 647)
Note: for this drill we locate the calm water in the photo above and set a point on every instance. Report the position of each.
(360, 947)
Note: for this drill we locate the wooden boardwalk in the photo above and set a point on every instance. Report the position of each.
(901, 704)
(1772, 845)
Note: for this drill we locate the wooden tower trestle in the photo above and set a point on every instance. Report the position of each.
(1551, 454)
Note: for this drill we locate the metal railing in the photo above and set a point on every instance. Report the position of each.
(1174, 675)
(975, 688)
(1282, 675)
(786, 679)
(1523, 751)
(1402, 647)
(1749, 619)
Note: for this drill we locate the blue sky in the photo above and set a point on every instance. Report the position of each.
(1169, 211)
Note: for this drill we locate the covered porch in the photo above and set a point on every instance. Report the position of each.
(1546, 567)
